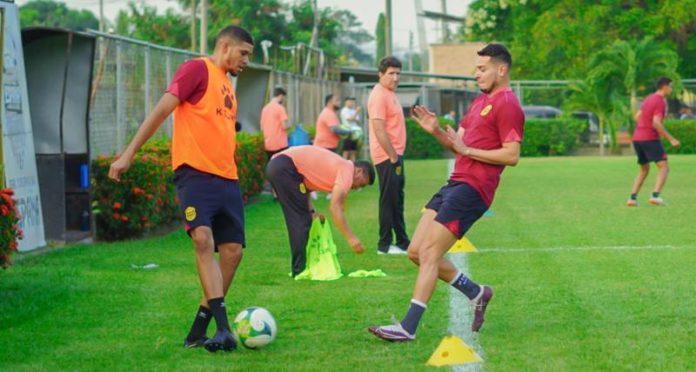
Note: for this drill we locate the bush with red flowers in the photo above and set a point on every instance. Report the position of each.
(145, 197)
(10, 232)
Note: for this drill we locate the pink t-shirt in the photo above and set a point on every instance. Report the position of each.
(320, 168)
(653, 106)
(274, 135)
(383, 104)
(190, 81)
(490, 122)
(325, 137)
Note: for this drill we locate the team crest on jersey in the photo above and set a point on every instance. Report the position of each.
(486, 110)
(303, 188)
(398, 170)
(190, 213)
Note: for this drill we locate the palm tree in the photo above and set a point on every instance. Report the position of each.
(634, 64)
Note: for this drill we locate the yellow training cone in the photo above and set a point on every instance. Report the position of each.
(463, 245)
(453, 351)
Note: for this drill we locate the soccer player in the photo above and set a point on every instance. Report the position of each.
(205, 110)
(274, 123)
(488, 139)
(350, 119)
(646, 142)
(301, 169)
(387, 145)
(328, 125)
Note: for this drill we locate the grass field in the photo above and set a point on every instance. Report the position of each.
(582, 283)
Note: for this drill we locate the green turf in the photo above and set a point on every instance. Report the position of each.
(83, 307)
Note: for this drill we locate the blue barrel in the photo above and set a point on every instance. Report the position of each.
(298, 137)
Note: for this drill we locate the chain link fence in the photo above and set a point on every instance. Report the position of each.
(129, 78)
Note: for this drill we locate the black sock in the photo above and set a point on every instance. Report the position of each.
(634, 196)
(413, 316)
(466, 286)
(200, 324)
(656, 194)
(217, 307)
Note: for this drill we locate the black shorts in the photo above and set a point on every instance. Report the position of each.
(458, 206)
(350, 145)
(648, 151)
(209, 200)
(271, 153)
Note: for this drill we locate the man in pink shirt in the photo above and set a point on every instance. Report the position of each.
(297, 171)
(646, 142)
(488, 139)
(328, 125)
(274, 123)
(387, 145)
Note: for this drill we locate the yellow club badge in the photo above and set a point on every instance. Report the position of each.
(303, 188)
(486, 110)
(398, 170)
(190, 213)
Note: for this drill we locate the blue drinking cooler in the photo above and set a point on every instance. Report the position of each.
(84, 176)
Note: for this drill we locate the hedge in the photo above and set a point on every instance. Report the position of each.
(146, 197)
(685, 132)
(9, 229)
(421, 144)
(548, 137)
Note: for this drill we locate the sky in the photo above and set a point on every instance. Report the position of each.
(367, 11)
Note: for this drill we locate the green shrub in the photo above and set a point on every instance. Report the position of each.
(9, 229)
(421, 144)
(251, 163)
(548, 137)
(146, 197)
(685, 132)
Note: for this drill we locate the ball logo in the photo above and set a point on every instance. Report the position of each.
(190, 213)
(486, 110)
(303, 188)
(228, 97)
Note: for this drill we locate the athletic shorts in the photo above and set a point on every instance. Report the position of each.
(458, 206)
(271, 153)
(648, 151)
(209, 200)
(350, 145)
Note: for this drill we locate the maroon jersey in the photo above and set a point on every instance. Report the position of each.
(490, 122)
(190, 81)
(653, 106)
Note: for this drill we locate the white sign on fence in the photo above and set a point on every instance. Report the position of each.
(17, 136)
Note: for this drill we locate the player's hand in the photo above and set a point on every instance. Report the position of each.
(674, 142)
(457, 143)
(320, 216)
(425, 118)
(118, 167)
(356, 245)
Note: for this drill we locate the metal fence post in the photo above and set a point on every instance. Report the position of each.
(147, 80)
(119, 93)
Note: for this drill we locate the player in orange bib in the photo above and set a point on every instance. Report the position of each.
(205, 173)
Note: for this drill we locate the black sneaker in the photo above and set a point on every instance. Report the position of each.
(195, 343)
(223, 340)
(480, 303)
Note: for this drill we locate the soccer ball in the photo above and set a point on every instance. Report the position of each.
(356, 133)
(254, 327)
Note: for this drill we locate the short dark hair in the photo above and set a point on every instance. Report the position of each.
(328, 98)
(497, 52)
(662, 81)
(367, 167)
(235, 33)
(389, 61)
(278, 91)
(349, 99)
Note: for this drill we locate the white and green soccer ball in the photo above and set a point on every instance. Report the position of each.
(356, 133)
(254, 327)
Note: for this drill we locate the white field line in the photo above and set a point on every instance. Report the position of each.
(586, 248)
(460, 315)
